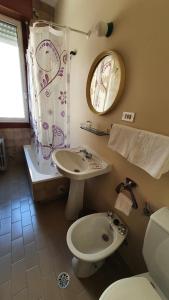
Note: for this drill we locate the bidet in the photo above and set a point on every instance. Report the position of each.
(91, 239)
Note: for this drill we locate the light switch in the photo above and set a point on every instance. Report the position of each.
(128, 116)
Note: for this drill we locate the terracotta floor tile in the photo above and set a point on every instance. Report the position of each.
(33, 248)
(15, 203)
(35, 283)
(16, 215)
(5, 211)
(22, 295)
(5, 226)
(16, 230)
(51, 290)
(18, 276)
(5, 244)
(5, 291)
(46, 262)
(28, 234)
(26, 218)
(17, 249)
(33, 210)
(5, 268)
(24, 205)
(31, 255)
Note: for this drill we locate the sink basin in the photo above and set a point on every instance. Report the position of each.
(73, 163)
(78, 164)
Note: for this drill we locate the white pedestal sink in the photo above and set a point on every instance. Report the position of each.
(78, 164)
(75, 199)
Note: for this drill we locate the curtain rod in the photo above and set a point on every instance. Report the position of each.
(61, 26)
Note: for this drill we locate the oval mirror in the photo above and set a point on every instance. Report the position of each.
(105, 82)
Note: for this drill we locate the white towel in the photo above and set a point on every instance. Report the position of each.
(147, 150)
(122, 139)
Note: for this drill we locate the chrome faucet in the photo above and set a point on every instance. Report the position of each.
(110, 214)
(113, 220)
(86, 153)
(110, 218)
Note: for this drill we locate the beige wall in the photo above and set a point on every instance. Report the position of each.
(141, 36)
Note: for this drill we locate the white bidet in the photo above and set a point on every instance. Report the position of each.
(93, 238)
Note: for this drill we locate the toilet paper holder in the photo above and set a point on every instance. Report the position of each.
(127, 186)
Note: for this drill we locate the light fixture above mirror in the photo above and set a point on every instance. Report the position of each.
(105, 82)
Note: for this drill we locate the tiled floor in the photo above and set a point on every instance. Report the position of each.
(33, 248)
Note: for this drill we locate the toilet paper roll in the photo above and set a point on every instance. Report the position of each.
(123, 204)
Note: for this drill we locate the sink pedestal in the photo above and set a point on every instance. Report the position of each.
(78, 164)
(75, 199)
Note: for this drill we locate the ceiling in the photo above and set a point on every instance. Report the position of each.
(50, 2)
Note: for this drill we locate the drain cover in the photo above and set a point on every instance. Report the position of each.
(63, 280)
(105, 237)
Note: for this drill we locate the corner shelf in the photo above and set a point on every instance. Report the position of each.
(94, 130)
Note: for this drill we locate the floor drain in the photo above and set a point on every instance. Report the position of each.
(63, 280)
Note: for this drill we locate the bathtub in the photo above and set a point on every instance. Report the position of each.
(47, 183)
(36, 174)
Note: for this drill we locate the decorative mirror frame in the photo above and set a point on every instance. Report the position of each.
(90, 76)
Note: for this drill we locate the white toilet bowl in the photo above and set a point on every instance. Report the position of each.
(153, 285)
(93, 238)
(131, 288)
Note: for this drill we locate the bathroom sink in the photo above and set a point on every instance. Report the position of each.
(80, 163)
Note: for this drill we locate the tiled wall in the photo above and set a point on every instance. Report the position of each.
(15, 138)
(50, 190)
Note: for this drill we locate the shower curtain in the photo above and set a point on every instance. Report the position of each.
(48, 81)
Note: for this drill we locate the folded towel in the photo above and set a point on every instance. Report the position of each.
(122, 139)
(147, 150)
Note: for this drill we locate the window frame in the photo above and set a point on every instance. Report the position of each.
(24, 120)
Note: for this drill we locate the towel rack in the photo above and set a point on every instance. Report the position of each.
(94, 130)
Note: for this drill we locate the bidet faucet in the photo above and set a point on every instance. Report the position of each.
(110, 214)
(87, 154)
(110, 219)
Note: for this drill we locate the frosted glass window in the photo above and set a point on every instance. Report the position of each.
(13, 106)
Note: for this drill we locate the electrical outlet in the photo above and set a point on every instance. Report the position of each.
(128, 116)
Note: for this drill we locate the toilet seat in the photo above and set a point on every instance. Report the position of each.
(131, 288)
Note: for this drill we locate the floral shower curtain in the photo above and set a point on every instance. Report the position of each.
(48, 73)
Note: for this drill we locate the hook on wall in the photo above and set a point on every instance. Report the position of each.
(73, 53)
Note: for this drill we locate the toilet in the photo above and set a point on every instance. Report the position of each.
(93, 238)
(153, 285)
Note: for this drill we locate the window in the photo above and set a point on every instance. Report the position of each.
(13, 96)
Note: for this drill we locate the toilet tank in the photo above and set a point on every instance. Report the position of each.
(156, 249)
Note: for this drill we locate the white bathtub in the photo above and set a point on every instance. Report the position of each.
(37, 174)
